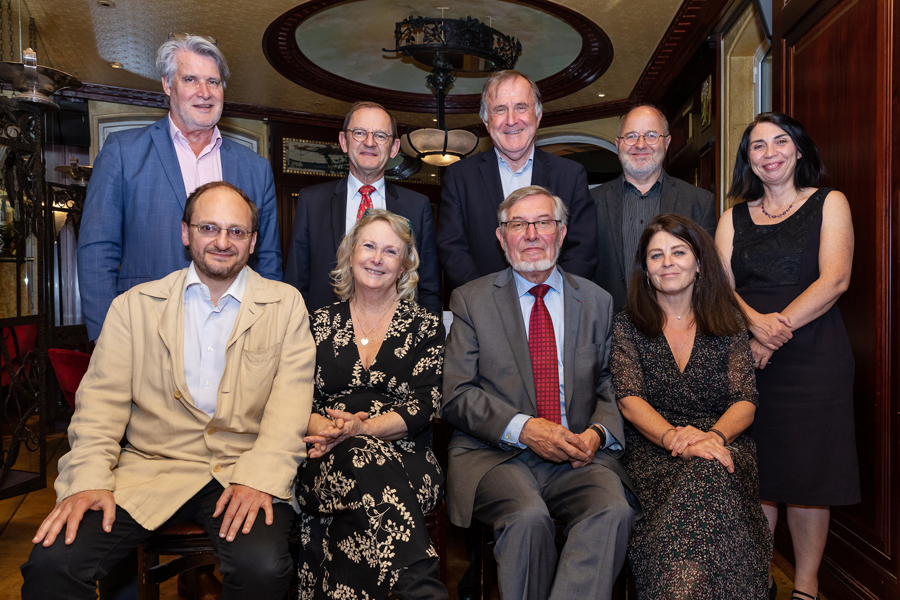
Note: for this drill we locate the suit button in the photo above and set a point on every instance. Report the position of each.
(177, 395)
(211, 430)
(622, 279)
(217, 468)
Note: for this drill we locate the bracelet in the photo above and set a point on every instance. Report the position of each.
(721, 435)
(662, 439)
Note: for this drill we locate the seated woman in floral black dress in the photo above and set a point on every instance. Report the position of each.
(684, 380)
(371, 474)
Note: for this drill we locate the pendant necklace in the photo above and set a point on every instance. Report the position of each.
(778, 216)
(365, 338)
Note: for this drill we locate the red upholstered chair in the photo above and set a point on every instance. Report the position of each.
(20, 340)
(69, 366)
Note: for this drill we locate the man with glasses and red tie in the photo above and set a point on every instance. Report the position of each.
(625, 206)
(538, 432)
(326, 212)
(142, 177)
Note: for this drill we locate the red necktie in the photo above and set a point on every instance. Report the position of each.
(366, 202)
(542, 346)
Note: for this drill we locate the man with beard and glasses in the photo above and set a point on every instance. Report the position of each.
(538, 432)
(625, 206)
(129, 230)
(208, 375)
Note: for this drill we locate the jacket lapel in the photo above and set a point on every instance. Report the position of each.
(256, 295)
(339, 213)
(613, 201)
(490, 171)
(165, 148)
(668, 195)
(572, 306)
(540, 171)
(507, 297)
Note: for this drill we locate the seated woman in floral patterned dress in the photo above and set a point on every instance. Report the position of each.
(371, 474)
(684, 380)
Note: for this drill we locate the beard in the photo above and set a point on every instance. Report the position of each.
(524, 266)
(645, 168)
(215, 271)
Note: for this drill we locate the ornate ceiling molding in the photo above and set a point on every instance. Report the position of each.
(285, 57)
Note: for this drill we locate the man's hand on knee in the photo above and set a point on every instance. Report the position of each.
(552, 441)
(70, 511)
(243, 505)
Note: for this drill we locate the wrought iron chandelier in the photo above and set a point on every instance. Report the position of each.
(447, 46)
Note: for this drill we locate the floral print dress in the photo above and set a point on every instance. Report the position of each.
(363, 503)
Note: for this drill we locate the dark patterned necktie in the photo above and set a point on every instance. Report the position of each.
(542, 346)
(366, 202)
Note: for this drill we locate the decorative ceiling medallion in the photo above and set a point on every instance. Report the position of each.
(283, 53)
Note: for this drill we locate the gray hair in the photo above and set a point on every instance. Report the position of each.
(560, 212)
(167, 54)
(662, 118)
(499, 77)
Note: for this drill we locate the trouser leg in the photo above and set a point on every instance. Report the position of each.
(256, 564)
(71, 571)
(508, 497)
(421, 581)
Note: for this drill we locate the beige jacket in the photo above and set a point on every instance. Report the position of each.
(135, 388)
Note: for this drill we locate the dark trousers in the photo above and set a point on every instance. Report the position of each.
(254, 565)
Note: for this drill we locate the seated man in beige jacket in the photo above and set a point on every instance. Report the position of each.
(207, 374)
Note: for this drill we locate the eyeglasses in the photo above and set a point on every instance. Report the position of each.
(651, 137)
(209, 230)
(540, 226)
(360, 135)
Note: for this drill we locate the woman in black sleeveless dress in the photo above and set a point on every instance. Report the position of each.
(790, 249)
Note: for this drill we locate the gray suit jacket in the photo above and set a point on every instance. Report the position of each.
(613, 268)
(488, 377)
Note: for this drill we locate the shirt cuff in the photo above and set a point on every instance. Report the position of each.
(512, 431)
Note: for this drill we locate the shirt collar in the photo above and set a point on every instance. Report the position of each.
(658, 183)
(353, 184)
(503, 163)
(235, 290)
(178, 137)
(555, 281)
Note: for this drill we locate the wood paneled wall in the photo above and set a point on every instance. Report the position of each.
(836, 73)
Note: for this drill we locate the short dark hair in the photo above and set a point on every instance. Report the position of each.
(366, 104)
(192, 199)
(499, 77)
(745, 185)
(716, 310)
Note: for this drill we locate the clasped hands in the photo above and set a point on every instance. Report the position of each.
(770, 332)
(329, 433)
(242, 502)
(553, 442)
(689, 442)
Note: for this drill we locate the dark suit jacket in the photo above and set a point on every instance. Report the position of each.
(488, 377)
(467, 243)
(614, 269)
(131, 226)
(319, 225)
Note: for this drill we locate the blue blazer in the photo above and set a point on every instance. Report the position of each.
(131, 226)
(319, 224)
(467, 221)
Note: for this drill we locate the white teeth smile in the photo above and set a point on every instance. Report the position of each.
(374, 272)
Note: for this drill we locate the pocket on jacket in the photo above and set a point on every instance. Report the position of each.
(258, 368)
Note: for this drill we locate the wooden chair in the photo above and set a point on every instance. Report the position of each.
(187, 540)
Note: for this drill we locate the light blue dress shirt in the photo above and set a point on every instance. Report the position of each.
(354, 198)
(514, 180)
(206, 332)
(555, 304)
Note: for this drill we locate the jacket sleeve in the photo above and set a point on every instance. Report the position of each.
(429, 273)
(452, 241)
(297, 265)
(579, 252)
(706, 210)
(100, 238)
(268, 249)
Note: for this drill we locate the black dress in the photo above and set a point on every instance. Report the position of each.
(363, 503)
(704, 535)
(804, 426)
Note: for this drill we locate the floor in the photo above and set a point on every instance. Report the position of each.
(21, 516)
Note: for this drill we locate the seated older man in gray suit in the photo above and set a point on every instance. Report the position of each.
(527, 385)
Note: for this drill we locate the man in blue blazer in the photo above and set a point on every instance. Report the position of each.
(474, 187)
(327, 211)
(142, 177)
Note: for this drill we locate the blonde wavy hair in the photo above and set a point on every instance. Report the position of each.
(342, 275)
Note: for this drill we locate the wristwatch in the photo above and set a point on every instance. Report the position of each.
(602, 435)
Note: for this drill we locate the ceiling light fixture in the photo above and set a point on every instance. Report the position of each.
(116, 65)
(450, 45)
(33, 83)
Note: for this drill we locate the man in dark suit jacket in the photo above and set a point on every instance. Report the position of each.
(327, 211)
(130, 230)
(474, 187)
(626, 205)
(512, 464)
